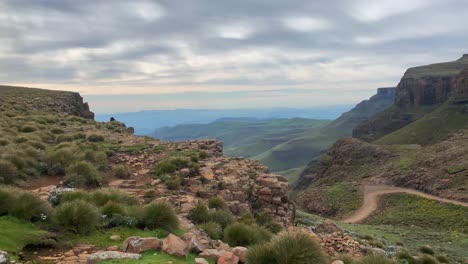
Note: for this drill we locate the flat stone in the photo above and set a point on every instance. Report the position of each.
(109, 255)
(201, 261)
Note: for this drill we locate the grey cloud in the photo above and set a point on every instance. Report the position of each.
(170, 42)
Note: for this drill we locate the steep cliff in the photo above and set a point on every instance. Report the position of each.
(419, 92)
(34, 100)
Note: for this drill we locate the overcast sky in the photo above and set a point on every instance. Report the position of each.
(224, 53)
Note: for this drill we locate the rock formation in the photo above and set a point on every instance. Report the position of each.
(425, 86)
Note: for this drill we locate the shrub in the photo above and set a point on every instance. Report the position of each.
(222, 217)
(173, 183)
(120, 220)
(4, 142)
(213, 230)
(74, 195)
(77, 216)
(261, 254)
(199, 214)
(160, 215)
(377, 259)
(56, 169)
(95, 138)
(28, 129)
(6, 200)
(99, 158)
(442, 259)
(57, 130)
(426, 250)
(29, 207)
(63, 156)
(112, 208)
(8, 172)
(104, 196)
(83, 174)
(217, 203)
(121, 171)
(248, 219)
(427, 259)
(288, 247)
(240, 234)
(268, 222)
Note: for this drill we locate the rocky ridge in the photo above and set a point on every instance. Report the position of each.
(419, 91)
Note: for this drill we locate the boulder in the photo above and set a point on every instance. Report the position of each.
(241, 253)
(195, 245)
(213, 254)
(109, 255)
(136, 244)
(115, 238)
(337, 262)
(201, 261)
(328, 227)
(4, 257)
(173, 245)
(228, 258)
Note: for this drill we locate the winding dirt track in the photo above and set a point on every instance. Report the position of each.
(373, 193)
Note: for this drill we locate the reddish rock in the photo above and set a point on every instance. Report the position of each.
(175, 246)
(241, 253)
(201, 261)
(212, 254)
(228, 258)
(138, 244)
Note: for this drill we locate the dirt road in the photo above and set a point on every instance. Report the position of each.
(373, 193)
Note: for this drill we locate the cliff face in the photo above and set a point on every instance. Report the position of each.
(41, 100)
(420, 90)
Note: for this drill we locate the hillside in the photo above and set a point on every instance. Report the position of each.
(67, 179)
(426, 157)
(285, 146)
(420, 91)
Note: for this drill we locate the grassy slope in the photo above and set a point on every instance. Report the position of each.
(409, 210)
(16, 234)
(431, 128)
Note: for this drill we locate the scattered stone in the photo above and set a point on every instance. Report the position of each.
(213, 254)
(228, 258)
(195, 245)
(201, 261)
(109, 255)
(3, 257)
(175, 246)
(337, 262)
(240, 252)
(137, 244)
(115, 238)
(112, 248)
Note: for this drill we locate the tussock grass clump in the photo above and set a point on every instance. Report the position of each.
(199, 214)
(95, 138)
(427, 259)
(222, 217)
(77, 216)
(426, 250)
(23, 205)
(103, 196)
(160, 215)
(442, 259)
(57, 130)
(112, 208)
(240, 234)
(213, 230)
(8, 172)
(4, 142)
(288, 247)
(83, 174)
(28, 129)
(217, 203)
(121, 171)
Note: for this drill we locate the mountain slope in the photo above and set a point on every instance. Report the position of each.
(420, 91)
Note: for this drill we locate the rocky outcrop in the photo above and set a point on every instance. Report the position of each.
(41, 100)
(426, 86)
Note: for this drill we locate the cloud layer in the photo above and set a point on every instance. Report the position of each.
(224, 46)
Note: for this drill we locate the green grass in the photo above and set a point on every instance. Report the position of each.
(101, 238)
(432, 128)
(158, 257)
(342, 198)
(16, 234)
(410, 210)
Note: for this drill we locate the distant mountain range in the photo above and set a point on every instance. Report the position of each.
(146, 122)
(285, 145)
